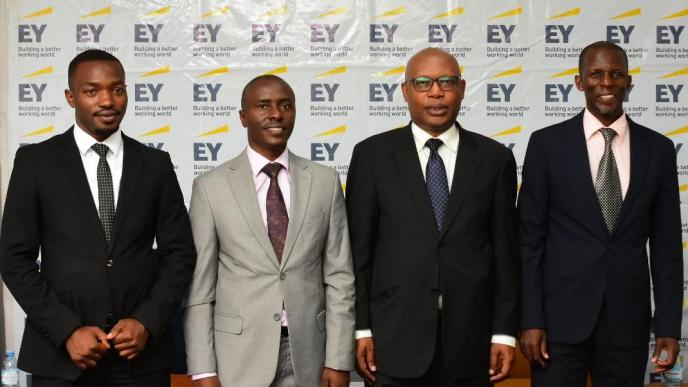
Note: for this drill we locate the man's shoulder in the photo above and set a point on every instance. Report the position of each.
(484, 143)
(382, 139)
(316, 168)
(650, 134)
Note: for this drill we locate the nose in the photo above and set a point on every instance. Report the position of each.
(607, 79)
(275, 113)
(435, 90)
(106, 99)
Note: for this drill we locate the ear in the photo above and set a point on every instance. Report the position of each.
(242, 118)
(579, 82)
(404, 86)
(461, 89)
(69, 96)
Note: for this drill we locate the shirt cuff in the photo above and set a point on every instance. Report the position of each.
(203, 376)
(504, 339)
(363, 333)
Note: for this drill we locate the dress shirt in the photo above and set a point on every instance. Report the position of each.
(621, 146)
(89, 157)
(261, 182)
(447, 151)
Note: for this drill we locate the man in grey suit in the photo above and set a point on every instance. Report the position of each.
(272, 296)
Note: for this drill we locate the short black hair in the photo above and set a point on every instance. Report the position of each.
(598, 45)
(260, 78)
(90, 55)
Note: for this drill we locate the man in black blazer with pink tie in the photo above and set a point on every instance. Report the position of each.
(93, 202)
(596, 188)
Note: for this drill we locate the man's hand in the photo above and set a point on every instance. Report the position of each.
(334, 378)
(501, 360)
(533, 343)
(212, 381)
(129, 337)
(365, 359)
(86, 346)
(671, 347)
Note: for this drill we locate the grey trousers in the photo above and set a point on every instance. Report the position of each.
(284, 376)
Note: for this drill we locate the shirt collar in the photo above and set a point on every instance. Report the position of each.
(450, 137)
(591, 125)
(84, 141)
(258, 161)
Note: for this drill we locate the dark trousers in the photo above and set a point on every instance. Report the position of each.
(437, 374)
(112, 371)
(608, 364)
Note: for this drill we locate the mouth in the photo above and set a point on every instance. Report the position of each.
(275, 130)
(438, 110)
(607, 98)
(108, 116)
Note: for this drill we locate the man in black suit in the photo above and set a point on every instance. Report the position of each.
(93, 201)
(432, 221)
(595, 189)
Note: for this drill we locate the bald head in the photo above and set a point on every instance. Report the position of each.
(429, 54)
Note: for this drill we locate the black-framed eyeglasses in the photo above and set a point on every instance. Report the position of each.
(446, 82)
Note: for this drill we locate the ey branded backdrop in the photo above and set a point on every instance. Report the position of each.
(187, 62)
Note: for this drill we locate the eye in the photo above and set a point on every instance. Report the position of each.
(618, 74)
(595, 74)
(447, 82)
(287, 106)
(422, 82)
(262, 106)
(90, 92)
(118, 90)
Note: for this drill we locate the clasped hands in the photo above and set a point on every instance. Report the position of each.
(87, 345)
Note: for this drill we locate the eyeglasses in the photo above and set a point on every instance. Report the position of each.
(446, 83)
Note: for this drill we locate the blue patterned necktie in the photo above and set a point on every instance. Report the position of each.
(607, 182)
(106, 195)
(436, 181)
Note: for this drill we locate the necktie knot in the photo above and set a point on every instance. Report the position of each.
(100, 149)
(608, 134)
(434, 144)
(272, 170)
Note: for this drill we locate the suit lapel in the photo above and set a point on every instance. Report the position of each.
(408, 166)
(240, 179)
(465, 170)
(580, 167)
(640, 155)
(131, 170)
(300, 184)
(70, 161)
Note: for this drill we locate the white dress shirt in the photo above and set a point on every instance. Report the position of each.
(447, 151)
(89, 157)
(621, 147)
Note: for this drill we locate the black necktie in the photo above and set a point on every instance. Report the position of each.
(607, 183)
(276, 211)
(106, 196)
(436, 181)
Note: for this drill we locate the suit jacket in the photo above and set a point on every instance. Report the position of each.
(572, 267)
(50, 207)
(399, 254)
(232, 311)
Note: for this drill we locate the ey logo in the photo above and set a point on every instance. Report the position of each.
(90, 33)
(670, 93)
(208, 151)
(560, 33)
(153, 133)
(33, 92)
(149, 92)
(206, 32)
(382, 32)
(621, 34)
(262, 32)
(150, 33)
(443, 33)
(325, 151)
(208, 92)
(325, 92)
(33, 33)
(559, 92)
(501, 92)
(384, 92)
(508, 132)
(668, 34)
(325, 33)
(501, 33)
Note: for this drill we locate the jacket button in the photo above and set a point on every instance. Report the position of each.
(283, 276)
(276, 317)
(435, 291)
(109, 263)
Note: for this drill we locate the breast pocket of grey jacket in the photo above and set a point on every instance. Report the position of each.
(227, 323)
